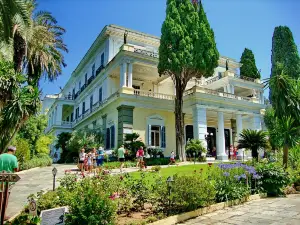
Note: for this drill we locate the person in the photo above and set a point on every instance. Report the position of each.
(9, 164)
(214, 152)
(90, 162)
(121, 157)
(172, 158)
(8, 161)
(140, 156)
(235, 150)
(81, 159)
(231, 152)
(100, 158)
(94, 155)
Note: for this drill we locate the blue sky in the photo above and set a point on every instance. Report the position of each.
(237, 24)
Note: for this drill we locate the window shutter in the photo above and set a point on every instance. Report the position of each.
(149, 135)
(163, 136)
(107, 138)
(112, 134)
(100, 95)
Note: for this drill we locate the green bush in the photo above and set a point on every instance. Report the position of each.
(42, 145)
(23, 149)
(273, 178)
(187, 193)
(91, 205)
(25, 219)
(41, 160)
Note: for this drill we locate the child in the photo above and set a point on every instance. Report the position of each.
(90, 162)
(140, 156)
(172, 158)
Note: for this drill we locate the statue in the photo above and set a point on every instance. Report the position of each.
(125, 37)
(227, 62)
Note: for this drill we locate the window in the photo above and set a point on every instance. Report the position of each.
(91, 102)
(93, 70)
(102, 59)
(112, 137)
(85, 78)
(155, 136)
(73, 93)
(72, 117)
(77, 113)
(100, 95)
(83, 107)
(68, 118)
(107, 138)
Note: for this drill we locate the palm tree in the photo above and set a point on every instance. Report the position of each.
(44, 48)
(290, 136)
(253, 140)
(25, 102)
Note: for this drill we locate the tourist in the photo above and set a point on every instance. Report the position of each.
(85, 162)
(8, 161)
(140, 156)
(9, 164)
(235, 151)
(81, 159)
(100, 157)
(94, 155)
(90, 162)
(121, 157)
(231, 152)
(172, 158)
(214, 152)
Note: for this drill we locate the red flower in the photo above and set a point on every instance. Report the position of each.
(209, 164)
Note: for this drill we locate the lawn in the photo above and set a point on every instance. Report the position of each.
(172, 170)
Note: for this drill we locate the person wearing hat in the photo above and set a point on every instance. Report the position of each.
(8, 161)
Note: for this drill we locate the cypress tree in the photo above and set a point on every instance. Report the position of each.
(187, 49)
(249, 68)
(285, 53)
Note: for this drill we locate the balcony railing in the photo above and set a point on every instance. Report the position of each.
(150, 94)
(247, 78)
(196, 89)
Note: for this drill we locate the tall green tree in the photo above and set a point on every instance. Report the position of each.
(249, 69)
(187, 49)
(284, 51)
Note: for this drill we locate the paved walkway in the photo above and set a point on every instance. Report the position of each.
(275, 211)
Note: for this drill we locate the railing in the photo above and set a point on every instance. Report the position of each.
(196, 89)
(213, 79)
(247, 78)
(151, 94)
(66, 124)
(66, 97)
(145, 52)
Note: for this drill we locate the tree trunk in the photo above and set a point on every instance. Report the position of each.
(19, 52)
(179, 123)
(255, 154)
(285, 156)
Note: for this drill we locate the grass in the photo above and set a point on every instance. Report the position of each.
(172, 170)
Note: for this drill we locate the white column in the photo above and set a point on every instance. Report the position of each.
(256, 124)
(130, 75)
(229, 88)
(221, 154)
(232, 89)
(225, 89)
(239, 128)
(59, 114)
(200, 124)
(123, 72)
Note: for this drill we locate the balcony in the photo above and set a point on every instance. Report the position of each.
(197, 89)
(151, 94)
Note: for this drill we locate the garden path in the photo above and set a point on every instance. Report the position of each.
(274, 211)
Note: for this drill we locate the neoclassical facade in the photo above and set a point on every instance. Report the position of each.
(116, 88)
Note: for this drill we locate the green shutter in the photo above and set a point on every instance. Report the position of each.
(163, 136)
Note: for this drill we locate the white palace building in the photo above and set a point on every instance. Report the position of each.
(116, 88)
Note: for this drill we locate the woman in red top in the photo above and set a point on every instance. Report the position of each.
(140, 156)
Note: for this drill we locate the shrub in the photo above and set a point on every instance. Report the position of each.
(37, 161)
(23, 149)
(156, 168)
(274, 178)
(91, 205)
(187, 193)
(26, 219)
(42, 145)
(195, 147)
(46, 200)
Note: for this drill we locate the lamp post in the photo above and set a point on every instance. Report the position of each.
(194, 154)
(169, 183)
(54, 172)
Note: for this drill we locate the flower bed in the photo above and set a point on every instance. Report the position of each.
(106, 199)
